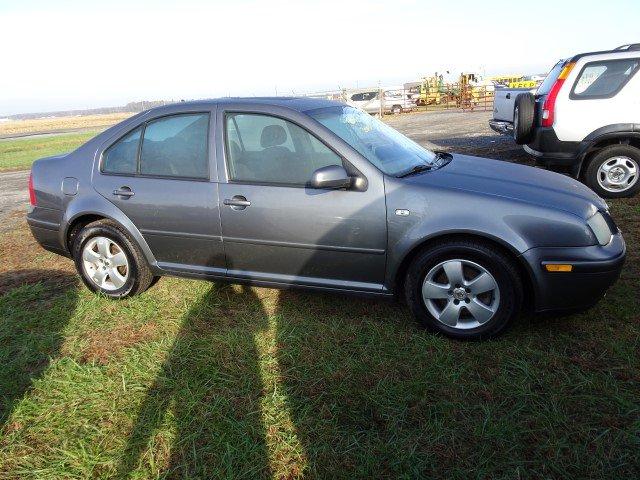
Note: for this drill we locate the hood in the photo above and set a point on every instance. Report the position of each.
(518, 182)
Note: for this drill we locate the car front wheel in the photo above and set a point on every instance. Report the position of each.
(464, 289)
(109, 262)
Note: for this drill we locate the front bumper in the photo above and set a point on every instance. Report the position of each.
(595, 269)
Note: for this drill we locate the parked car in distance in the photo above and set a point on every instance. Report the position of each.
(394, 100)
(584, 117)
(300, 192)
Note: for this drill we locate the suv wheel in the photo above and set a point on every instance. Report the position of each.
(614, 171)
(109, 262)
(464, 289)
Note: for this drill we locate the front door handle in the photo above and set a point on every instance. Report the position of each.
(123, 192)
(238, 202)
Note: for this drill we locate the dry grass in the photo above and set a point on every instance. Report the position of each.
(57, 124)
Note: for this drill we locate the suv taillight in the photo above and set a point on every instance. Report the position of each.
(549, 105)
(32, 194)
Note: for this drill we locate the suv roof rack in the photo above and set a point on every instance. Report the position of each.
(629, 47)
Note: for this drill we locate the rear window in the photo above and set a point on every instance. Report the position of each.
(550, 79)
(604, 79)
(122, 157)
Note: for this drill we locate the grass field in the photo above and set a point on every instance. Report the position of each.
(201, 380)
(19, 153)
(58, 124)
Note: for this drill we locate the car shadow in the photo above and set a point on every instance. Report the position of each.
(35, 307)
(210, 385)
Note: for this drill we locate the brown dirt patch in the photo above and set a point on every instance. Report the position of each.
(105, 345)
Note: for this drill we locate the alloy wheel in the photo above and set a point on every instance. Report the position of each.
(105, 263)
(618, 174)
(461, 294)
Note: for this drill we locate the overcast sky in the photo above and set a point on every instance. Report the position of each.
(82, 54)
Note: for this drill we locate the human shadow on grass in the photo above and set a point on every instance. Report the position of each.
(337, 374)
(210, 384)
(35, 307)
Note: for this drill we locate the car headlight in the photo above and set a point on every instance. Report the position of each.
(600, 228)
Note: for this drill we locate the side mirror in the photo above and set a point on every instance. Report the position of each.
(332, 176)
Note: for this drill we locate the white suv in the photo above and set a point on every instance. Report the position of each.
(586, 116)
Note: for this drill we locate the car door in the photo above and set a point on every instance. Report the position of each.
(160, 176)
(276, 228)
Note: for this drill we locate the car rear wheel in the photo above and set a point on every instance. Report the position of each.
(110, 262)
(523, 118)
(614, 172)
(464, 289)
(396, 110)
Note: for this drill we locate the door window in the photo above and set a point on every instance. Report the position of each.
(604, 79)
(266, 149)
(176, 146)
(122, 156)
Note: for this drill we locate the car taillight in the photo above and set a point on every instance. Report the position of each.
(32, 193)
(549, 105)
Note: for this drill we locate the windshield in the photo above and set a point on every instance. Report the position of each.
(386, 148)
(550, 79)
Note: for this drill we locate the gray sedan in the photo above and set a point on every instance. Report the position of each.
(299, 192)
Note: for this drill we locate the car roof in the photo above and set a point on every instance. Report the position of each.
(632, 47)
(300, 104)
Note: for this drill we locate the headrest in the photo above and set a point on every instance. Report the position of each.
(272, 136)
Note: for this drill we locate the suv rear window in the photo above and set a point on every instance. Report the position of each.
(604, 79)
(550, 79)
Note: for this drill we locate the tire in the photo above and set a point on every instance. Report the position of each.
(624, 159)
(504, 304)
(123, 276)
(523, 118)
(396, 109)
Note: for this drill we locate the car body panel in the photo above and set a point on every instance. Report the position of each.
(448, 201)
(305, 235)
(575, 119)
(178, 217)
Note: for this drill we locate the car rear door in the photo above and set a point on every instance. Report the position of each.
(161, 177)
(277, 229)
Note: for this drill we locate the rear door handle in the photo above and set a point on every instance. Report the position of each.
(238, 202)
(123, 192)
